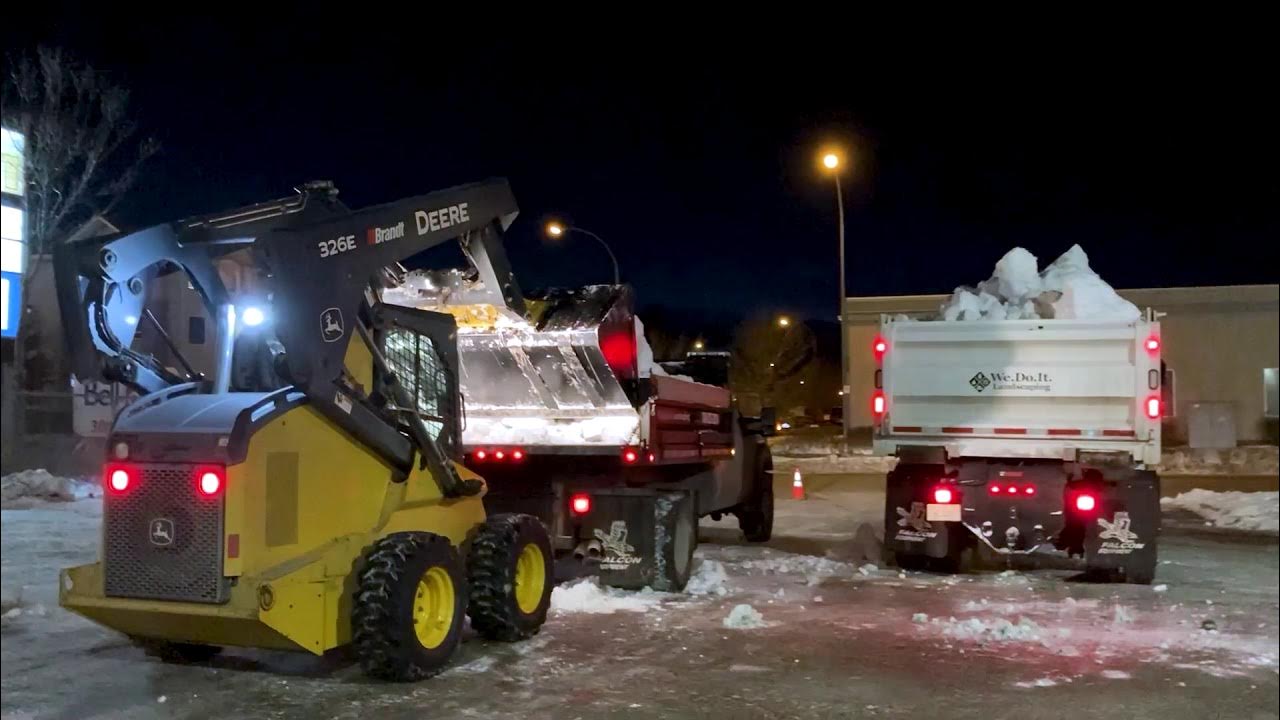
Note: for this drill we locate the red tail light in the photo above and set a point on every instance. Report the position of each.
(1153, 344)
(210, 481)
(499, 455)
(1153, 407)
(943, 495)
(580, 504)
(1012, 490)
(630, 456)
(480, 455)
(119, 478)
(517, 454)
(879, 347)
(1029, 490)
(995, 489)
(1086, 502)
(878, 404)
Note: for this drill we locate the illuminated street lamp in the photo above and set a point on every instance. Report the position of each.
(556, 230)
(783, 321)
(697, 345)
(831, 162)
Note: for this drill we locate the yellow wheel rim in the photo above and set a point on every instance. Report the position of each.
(531, 578)
(433, 606)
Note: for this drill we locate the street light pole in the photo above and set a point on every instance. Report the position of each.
(556, 229)
(844, 330)
(617, 276)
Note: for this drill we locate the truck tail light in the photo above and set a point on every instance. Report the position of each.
(499, 455)
(119, 478)
(580, 504)
(1153, 407)
(879, 347)
(630, 456)
(1086, 502)
(210, 481)
(517, 454)
(878, 404)
(943, 496)
(994, 489)
(1153, 344)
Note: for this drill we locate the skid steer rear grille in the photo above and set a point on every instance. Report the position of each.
(162, 539)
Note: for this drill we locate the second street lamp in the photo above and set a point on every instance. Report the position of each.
(557, 230)
(831, 161)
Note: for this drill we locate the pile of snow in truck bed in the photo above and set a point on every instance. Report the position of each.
(1017, 290)
(606, 430)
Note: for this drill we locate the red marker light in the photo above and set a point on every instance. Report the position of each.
(1012, 490)
(119, 479)
(517, 454)
(209, 482)
(580, 504)
(630, 456)
(499, 455)
(942, 495)
(1153, 407)
(1153, 344)
(877, 404)
(995, 489)
(481, 455)
(1029, 490)
(880, 347)
(1085, 502)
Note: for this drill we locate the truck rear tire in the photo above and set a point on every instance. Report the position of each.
(510, 569)
(674, 561)
(410, 601)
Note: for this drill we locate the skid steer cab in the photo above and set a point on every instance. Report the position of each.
(302, 490)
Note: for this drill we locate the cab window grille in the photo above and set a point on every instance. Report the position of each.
(417, 365)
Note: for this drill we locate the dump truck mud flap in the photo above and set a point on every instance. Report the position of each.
(1122, 533)
(907, 530)
(647, 537)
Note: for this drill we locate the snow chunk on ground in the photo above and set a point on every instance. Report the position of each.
(586, 596)
(1252, 511)
(708, 578)
(1067, 289)
(43, 485)
(1116, 675)
(744, 617)
(997, 629)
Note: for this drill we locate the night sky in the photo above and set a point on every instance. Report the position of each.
(698, 164)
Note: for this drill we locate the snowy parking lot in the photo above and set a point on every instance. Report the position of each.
(810, 626)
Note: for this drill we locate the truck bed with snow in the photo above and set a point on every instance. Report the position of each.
(1026, 420)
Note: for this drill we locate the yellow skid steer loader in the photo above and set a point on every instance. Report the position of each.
(302, 490)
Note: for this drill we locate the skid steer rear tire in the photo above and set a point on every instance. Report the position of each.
(410, 600)
(510, 569)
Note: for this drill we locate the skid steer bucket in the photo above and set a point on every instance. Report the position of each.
(564, 377)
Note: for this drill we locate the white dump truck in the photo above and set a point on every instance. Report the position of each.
(1022, 436)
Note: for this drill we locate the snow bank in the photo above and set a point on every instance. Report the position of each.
(43, 485)
(1252, 511)
(1066, 289)
(586, 596)
(744, 617)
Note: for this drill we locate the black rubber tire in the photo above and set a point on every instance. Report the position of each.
(177, 652)
(382, 632)
(755, 517)
(676, 566)
(491, 571)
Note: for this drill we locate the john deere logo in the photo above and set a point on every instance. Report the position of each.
(980, 381)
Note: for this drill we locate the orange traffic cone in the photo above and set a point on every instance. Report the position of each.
(797, 486)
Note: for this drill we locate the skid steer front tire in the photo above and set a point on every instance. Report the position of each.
(410, 600)
(510, 573)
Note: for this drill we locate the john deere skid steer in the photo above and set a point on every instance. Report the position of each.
(301, 490)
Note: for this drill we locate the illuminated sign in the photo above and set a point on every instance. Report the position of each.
(13, 251)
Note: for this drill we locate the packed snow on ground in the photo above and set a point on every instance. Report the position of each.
(42, 485)
(1066, 289)
(1252, 511)
(990, 629)
(586, 596)
(708, 578)
(744, 617)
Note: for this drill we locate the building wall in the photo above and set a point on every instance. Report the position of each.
(1217, 340)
